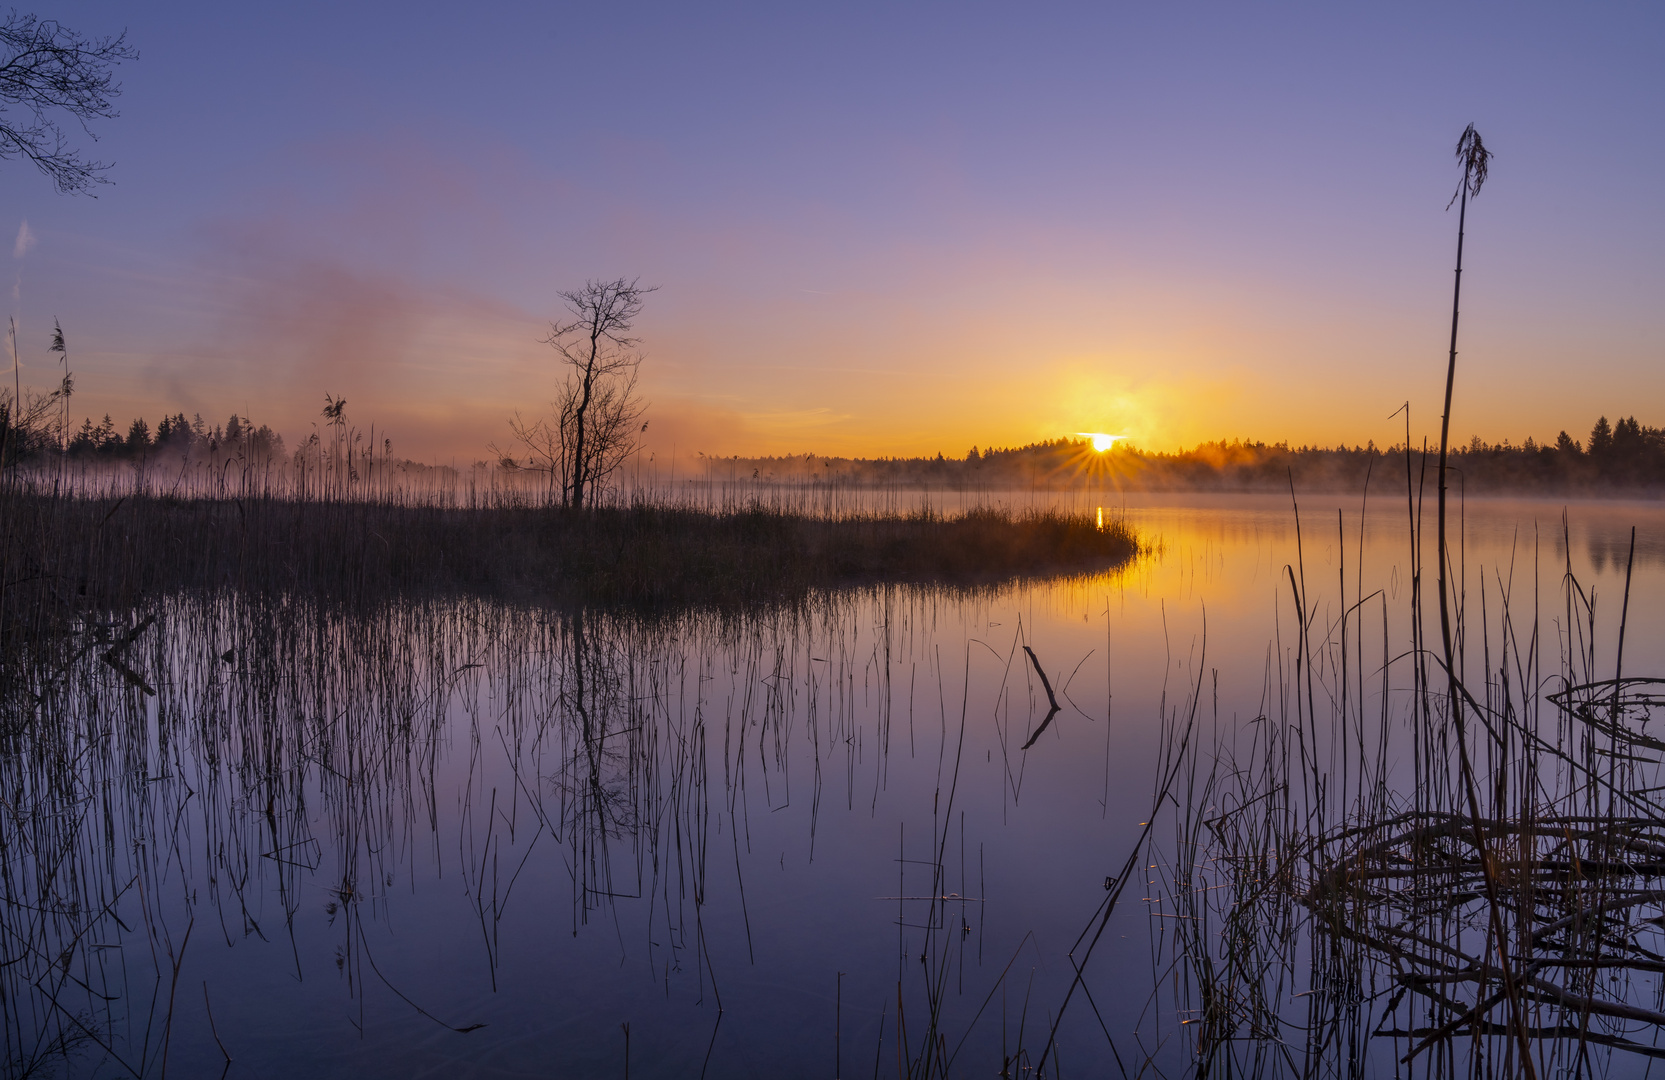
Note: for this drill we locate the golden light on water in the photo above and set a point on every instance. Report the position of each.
(1101, 442)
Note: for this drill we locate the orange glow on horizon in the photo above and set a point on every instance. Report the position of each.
(1101, 442)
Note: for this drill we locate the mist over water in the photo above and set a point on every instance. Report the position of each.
(476, 838)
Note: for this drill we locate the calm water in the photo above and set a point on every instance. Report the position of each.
(478, 840)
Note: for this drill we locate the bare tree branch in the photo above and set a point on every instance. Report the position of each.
(47, 69)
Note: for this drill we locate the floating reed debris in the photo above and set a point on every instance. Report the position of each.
(1575, 885)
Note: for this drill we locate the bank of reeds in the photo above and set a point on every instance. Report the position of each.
(116, 551)
(68, 559)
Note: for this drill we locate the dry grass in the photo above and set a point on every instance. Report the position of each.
(107, 552)
(68, 560)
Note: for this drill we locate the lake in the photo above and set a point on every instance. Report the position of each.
(478, 839)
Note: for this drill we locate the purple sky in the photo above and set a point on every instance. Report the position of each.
(874, 230)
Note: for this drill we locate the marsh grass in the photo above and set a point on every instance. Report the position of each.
(68, 561)
(1333, 898)
(115, 551)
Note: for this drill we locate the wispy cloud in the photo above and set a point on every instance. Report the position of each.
(25, 240)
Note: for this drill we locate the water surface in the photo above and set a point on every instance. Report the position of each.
(479, 839)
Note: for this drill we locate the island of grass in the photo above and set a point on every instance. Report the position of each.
(109, 552)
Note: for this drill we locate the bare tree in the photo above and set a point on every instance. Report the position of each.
(47, 69)
(593, 423)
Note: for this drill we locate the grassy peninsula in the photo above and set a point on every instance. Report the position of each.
(117, 551)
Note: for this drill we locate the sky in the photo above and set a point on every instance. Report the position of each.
(873, 229)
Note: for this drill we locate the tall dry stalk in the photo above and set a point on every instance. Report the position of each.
(1474, 158)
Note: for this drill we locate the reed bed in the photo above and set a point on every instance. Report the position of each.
(1393, 870)
(113, 550)
(710, 485)
(67, 558)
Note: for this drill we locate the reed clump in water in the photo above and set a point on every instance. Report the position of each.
(1343, 894)
(67, 560)
(116, 552)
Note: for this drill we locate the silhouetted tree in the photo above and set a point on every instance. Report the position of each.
(48, 70)
(593, 426)
(1627, 438)
(104, 436)
(174, 431)
(1601, 441)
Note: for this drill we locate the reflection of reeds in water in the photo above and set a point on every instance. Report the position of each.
(270, 720)
(210, 772)
(1337, 885)
(123, 798)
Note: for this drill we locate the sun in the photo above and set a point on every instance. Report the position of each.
(1101, 442)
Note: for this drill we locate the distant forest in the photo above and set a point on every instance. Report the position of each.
(177, 434)
(1617, 459)
(1623, 458)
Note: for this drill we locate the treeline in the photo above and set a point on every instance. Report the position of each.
(236, 436)
(1623, 458)
(40, 429)
(189, 457)
(1620, 458)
